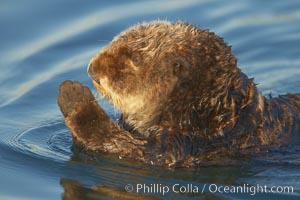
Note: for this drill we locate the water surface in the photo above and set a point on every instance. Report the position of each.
(46, 42)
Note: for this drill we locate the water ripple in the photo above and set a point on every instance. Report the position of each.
(18, 90)
(51, 142)
(99, 17)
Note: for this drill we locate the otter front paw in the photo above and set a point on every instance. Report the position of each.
(72, 94)
(86, 120)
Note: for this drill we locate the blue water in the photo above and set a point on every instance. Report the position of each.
(43, 43)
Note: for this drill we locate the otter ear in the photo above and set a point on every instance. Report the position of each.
(180, 66)
(177, 66)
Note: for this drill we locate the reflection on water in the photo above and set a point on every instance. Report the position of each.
(43, 44)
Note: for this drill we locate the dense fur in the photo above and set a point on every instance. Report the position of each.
(181, 94)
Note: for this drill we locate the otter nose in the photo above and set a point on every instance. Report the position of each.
(91, 73)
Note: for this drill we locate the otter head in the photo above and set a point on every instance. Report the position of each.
(172, 72)
(139, 68)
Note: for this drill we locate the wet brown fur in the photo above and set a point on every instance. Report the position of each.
(181, 94)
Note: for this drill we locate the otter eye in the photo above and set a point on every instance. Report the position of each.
(136, 59)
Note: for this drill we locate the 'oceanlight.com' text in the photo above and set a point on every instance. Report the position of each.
(211, 188)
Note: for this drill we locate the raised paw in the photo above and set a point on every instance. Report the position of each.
(72, 94)
(86, 120)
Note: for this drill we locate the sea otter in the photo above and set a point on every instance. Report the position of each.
(181, 94)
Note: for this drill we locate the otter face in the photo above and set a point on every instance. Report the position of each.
(117, 75)
(129, 81)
